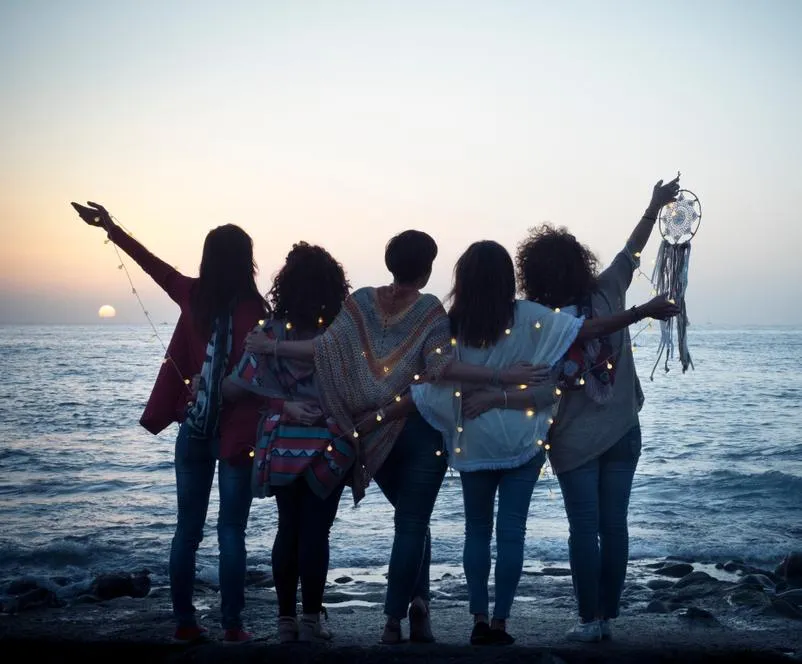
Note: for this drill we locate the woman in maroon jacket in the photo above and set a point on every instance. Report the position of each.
(218, 309)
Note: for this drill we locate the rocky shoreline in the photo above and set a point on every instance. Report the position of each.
(672, 610)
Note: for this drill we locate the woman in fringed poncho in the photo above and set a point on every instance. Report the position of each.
(383, 340)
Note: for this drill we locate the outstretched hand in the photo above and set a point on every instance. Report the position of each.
(94, 215)
(663, 194)
(661, 308)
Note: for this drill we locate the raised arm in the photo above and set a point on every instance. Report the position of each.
(662, 194)
(658, 307)
(175, 284)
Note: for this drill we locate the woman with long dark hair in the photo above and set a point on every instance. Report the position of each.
(299, 458)
(502, 451)
(218, 309)
(596, 438)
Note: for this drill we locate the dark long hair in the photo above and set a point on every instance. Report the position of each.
(554, 269)
(310, 288)
(227, 275)
(483, 297)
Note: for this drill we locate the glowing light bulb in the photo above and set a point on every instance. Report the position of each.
(438, 350)
(558, 391)
(556, 310)
(356, 434)
(637, 254)
(547, 446)
(671, 299)
(460, 429)
(507, 331)
(252, 454)
(186, 381)
(438, 453)
(581, 381)
(458, 394)
(261, 322)
(453, 342)
(416, 377)
(386, 369)
(398, 397)
(530, 413)
(288, 325)
(522, 386)
(320, 321)
(609, 365)
(551, 420)
(537, 325)
(329, 449)
(458, 450)
(540, 443)
(378, 417)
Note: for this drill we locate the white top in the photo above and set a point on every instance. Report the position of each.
(499, 438)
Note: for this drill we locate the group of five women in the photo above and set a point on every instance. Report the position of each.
(313, 389)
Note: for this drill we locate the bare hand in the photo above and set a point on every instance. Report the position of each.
(95, 215)
(302, 413)
(660, 308)
(662, 194)
(476, 403)
(524, 373)
(195, 386)
(259, 343)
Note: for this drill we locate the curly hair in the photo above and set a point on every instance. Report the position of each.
(483, 297)
(310, 288)
(554, 268)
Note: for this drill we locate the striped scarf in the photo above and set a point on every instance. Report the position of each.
(203, 416)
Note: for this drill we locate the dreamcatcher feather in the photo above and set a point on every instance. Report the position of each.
(678, 223)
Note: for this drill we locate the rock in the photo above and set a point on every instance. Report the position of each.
(257, 577)
(343, 579)
(749, 597)
(556, 571)
(695, 614)
(692, 578)
(110, 586)
(655, 565)
(733, 565)
(719, 565)
(679, 559)
(756, 581)
(656, 606)
(659, 584)
(21, 586)
(792, 596)
(675, 570)
(33, 599)
(786, 609)
(790, 569)
(447, 575)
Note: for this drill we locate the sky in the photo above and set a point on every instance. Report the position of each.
(342, 123)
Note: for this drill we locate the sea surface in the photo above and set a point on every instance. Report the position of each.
(84, 489)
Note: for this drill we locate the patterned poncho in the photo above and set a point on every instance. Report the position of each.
(371, 353)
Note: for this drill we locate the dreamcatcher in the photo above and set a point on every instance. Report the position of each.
(678, 223)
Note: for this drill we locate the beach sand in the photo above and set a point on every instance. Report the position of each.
(706, 614)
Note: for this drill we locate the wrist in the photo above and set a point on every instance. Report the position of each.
(638, 313)
(651, 212)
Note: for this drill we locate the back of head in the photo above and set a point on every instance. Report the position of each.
(227, 272)
(554, 269)
(483, 297)
(409, 257)
(310, 288)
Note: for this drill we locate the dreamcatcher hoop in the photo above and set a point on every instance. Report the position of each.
(679, 221)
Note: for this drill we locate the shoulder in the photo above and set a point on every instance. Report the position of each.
(431, 302)
(527, 311)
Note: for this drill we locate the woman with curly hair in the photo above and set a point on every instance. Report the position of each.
(595, 441)
(299, 458)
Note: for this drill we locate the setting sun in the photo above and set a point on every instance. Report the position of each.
(106, 311)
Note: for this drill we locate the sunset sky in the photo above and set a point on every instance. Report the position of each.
(343, 122)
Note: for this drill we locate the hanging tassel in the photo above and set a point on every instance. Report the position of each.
(670, 277)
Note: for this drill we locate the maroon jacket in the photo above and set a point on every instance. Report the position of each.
(170, 395)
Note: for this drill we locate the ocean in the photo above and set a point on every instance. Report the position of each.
(84, 489)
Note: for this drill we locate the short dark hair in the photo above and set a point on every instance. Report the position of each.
(554, 268)
(310, 288)
(483, 297)
(409, 256)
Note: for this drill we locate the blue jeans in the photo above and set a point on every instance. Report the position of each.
(596, 497)
(410, 478)
(194, 471)
(514, 486)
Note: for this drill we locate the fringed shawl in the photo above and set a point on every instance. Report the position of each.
(371, 354)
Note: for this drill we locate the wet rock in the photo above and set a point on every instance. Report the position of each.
(675, 570)
(757, 581)
(790, 569)
(692, 578)
(659, 584)
(786, 609)
(792, 596)
(556, 571)
(257, 577)
(122, 584)
(343, 579)
(697, 615)
(33, 599)
(21, 586)
(654, 565)
(656, 606)
(733, 565)
(447, 575)
(679, 559)
(748, 597)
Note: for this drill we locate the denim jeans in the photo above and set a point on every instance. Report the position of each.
(514, 486)
(301, 547)
(596, 497)
(410, 478)
(194, 471)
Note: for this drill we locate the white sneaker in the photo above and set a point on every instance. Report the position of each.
(606, 627)
(312, 628)
(585, 632)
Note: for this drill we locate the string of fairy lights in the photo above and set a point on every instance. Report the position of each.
(379, 414)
